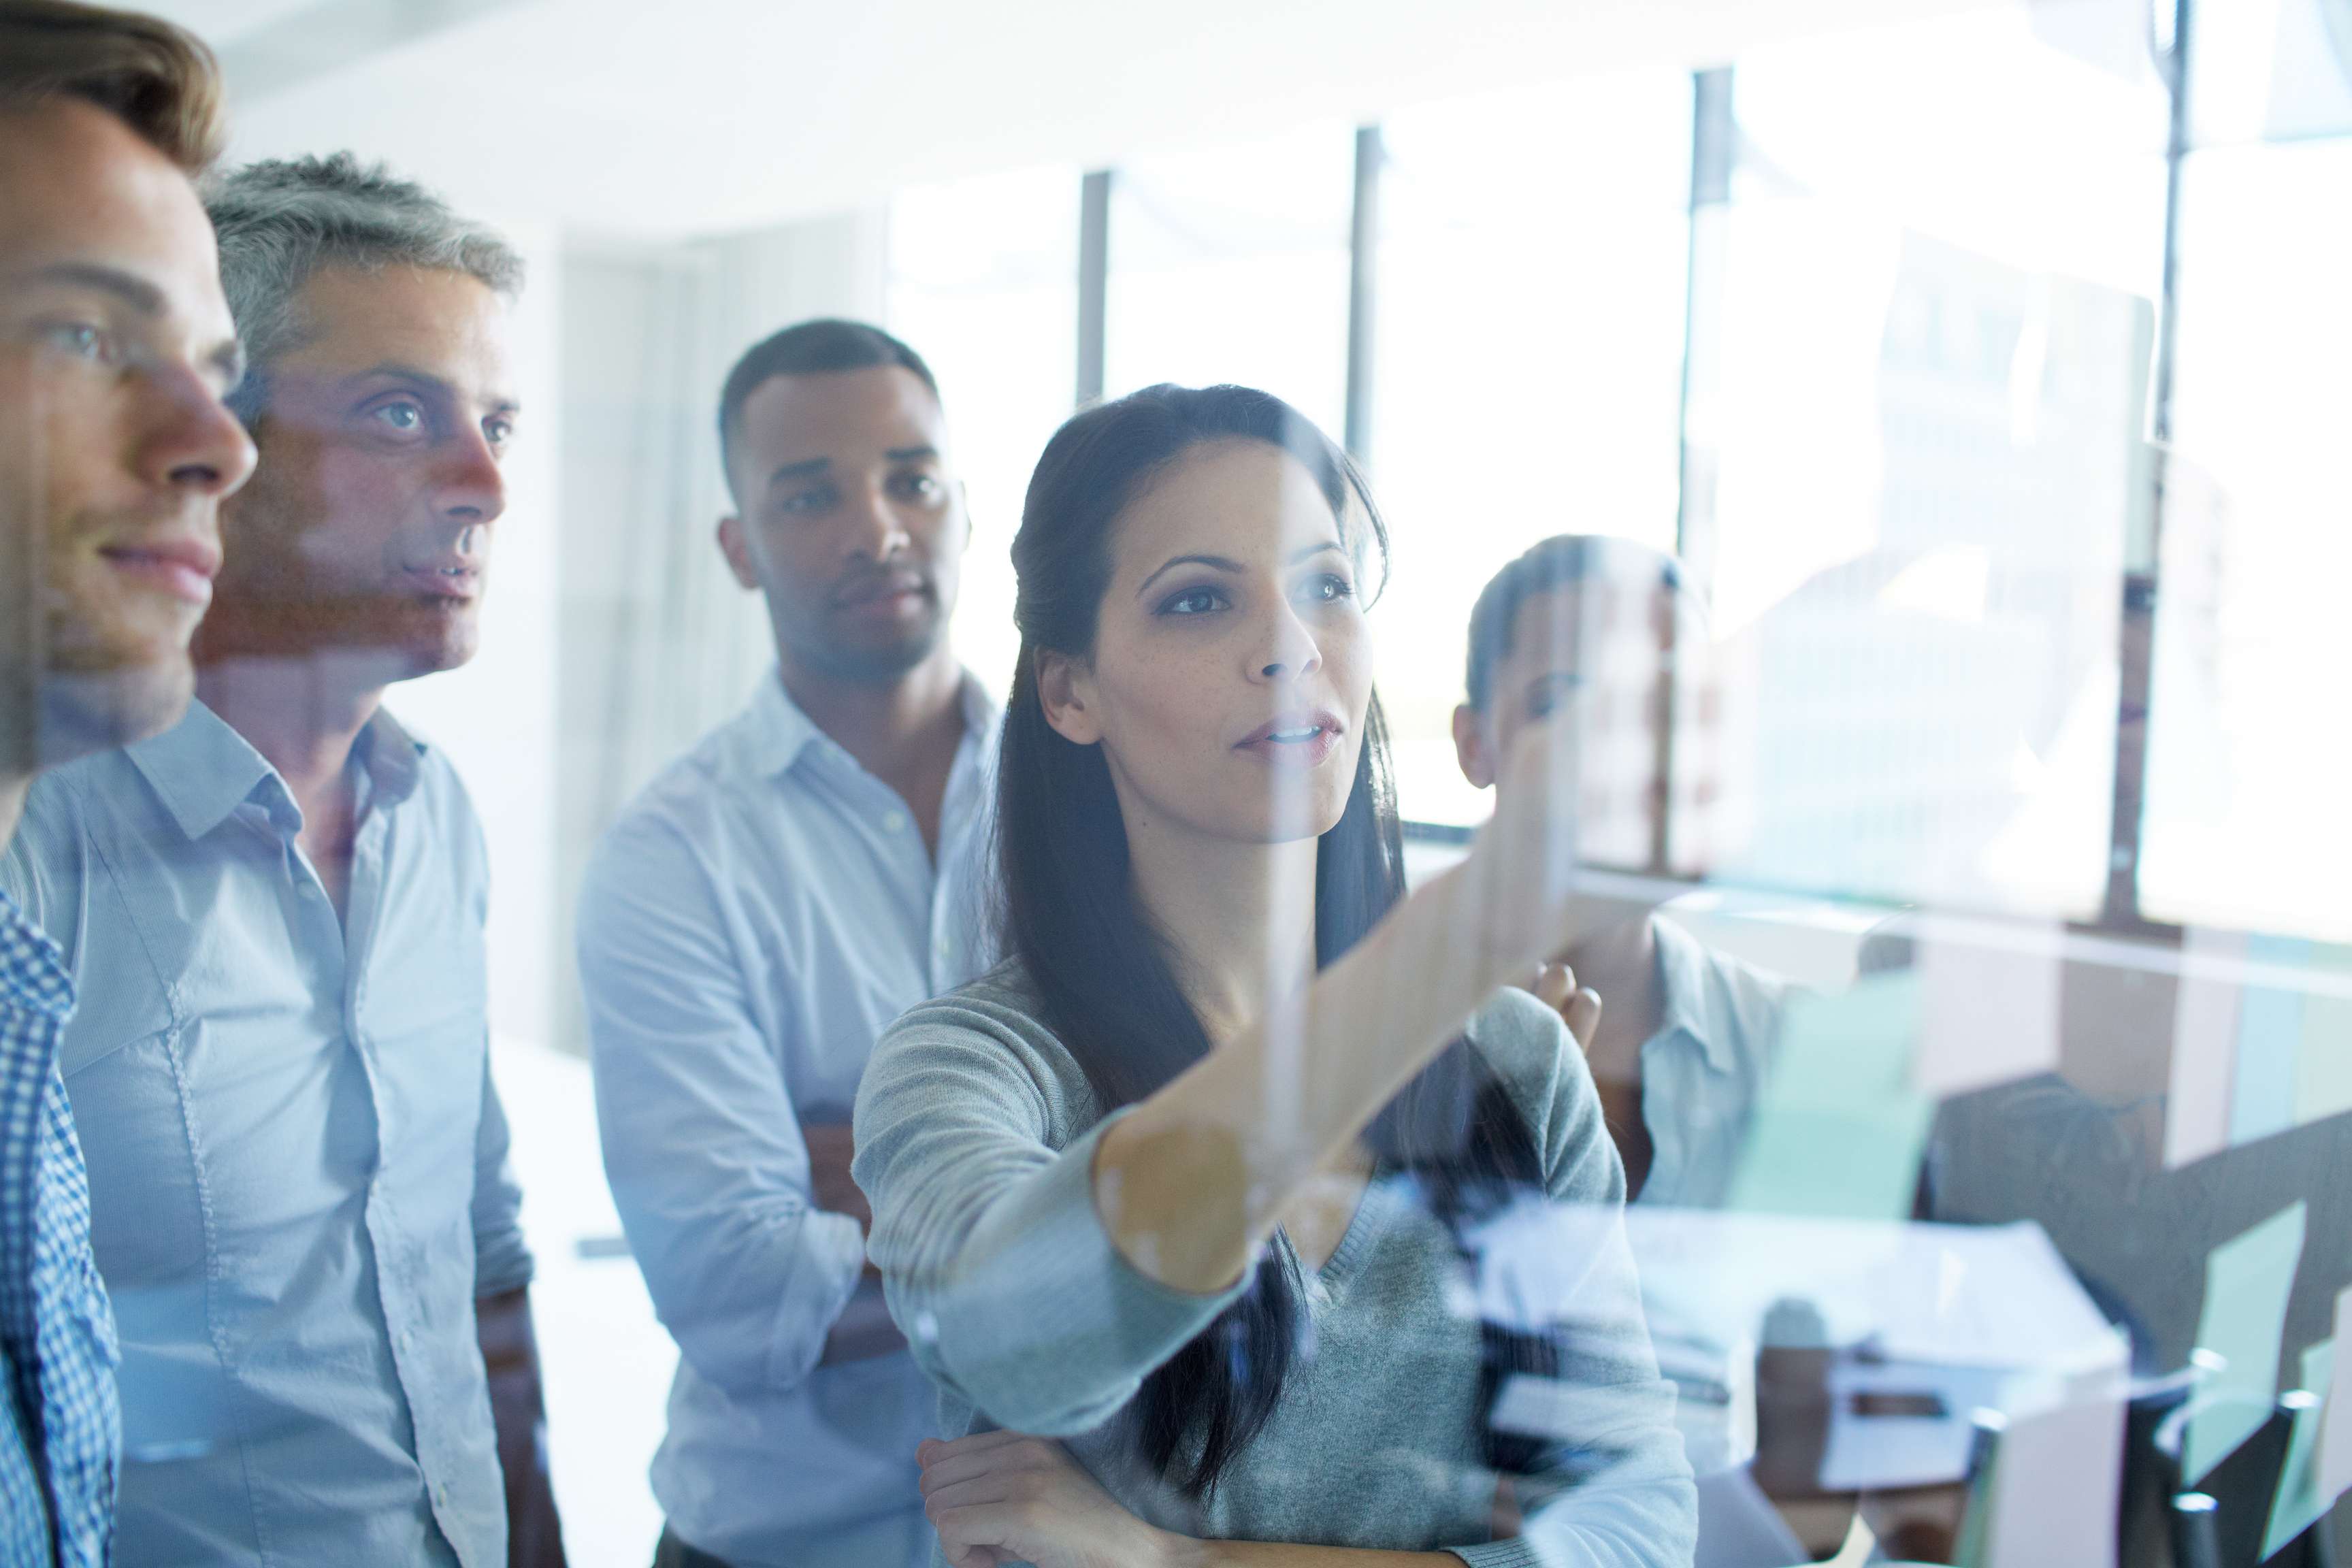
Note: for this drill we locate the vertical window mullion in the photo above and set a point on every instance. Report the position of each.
(1094, 282)
(1714, 142)
(1363, 296)
(2141, 585)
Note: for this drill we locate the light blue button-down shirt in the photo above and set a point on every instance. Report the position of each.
(297, 1163)
(749, 928)
(1703, 1071)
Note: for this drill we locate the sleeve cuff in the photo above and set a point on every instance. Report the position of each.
(831, 1256)
(1515, 1553)
(502, 1267)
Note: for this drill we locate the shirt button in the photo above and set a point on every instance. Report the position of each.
(893, 822)
(440, 1494)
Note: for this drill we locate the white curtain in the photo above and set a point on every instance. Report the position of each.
(657, 644)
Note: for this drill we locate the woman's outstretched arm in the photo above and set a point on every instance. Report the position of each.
(1194, 1180)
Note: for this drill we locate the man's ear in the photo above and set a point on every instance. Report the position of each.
(1066, 694)
(1470, 747)
(738, 551)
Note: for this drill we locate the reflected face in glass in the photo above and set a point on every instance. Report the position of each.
(368, 526)
(116, 347)
(853, 526)
(1562, 640)
(1231, 669)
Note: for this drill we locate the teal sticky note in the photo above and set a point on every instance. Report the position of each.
(2247, 1282)
(2270, 1039)
(2299, 1502)
(2323, 1068)
(1838, 1131)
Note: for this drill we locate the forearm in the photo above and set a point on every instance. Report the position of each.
(518, 1412)
(1191, 1184)
(1272, 1555)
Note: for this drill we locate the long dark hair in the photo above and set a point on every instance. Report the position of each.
(1106, 979)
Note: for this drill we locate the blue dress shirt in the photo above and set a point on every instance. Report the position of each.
(58, 1445)
(749, 928)
(297, 1163)
(1703, 1071)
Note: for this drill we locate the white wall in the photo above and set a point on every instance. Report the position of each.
(496, 717)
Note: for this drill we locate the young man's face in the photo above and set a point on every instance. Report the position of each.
(366, 532)
(1538, 675)
(116, 348)
(851, 524)
(1589, 655)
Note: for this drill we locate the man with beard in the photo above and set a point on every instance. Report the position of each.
(751, 925)
(116, 349)
(275, 910)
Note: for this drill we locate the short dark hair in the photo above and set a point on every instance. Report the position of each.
(157, 78)
(1555, 563)
(809, 348)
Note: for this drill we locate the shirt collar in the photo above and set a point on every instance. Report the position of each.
(31, 973)
(203, 770)
(780, 731)
(1692, 1003)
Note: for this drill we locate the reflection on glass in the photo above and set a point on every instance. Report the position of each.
(2271, 70)
(1924, 438)
(1228, 263)
(983, 280)
(2245, 821)
(1491, 430)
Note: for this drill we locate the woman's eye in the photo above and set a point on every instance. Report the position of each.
(1191, 602)
(1329, 588)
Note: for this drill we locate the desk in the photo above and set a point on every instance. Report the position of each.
(1845, 1359)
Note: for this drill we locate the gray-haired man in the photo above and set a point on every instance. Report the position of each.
(299, 1181)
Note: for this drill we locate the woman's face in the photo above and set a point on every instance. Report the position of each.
(1232, 669)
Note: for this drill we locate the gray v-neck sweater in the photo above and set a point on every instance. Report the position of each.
(975, 1131)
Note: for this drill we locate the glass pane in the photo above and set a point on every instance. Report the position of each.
(1230, 264)
(983, 285)
(2278, 70)
(1528, 363)
(1925, 428)
(2247, 767)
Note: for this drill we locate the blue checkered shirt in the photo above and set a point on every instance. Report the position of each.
(58, 1445)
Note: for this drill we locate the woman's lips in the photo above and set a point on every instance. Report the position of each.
(1302, 741)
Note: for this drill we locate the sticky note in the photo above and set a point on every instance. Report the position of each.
(2270, 1037)
(2323, 1071)
(2058, 1479)
(2334, 1461)
(2298, 1502)
(2247, 1282)
(1839, 1129)
(2204, 1047)
(1987, 1007)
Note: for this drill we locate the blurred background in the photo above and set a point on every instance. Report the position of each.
(1982, 361)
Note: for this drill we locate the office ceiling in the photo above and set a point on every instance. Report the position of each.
(700, 116)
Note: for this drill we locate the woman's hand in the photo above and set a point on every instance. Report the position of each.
(1580, 1008)
(1001, 1497)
